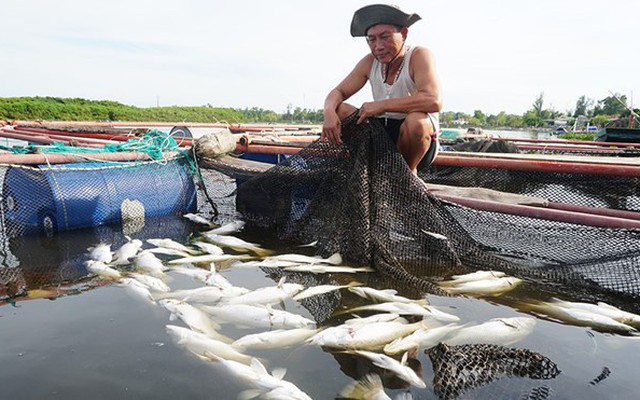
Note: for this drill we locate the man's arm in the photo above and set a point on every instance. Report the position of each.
(426, 99)
(350, 85)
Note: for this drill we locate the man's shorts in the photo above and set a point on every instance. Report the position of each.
(392, 127)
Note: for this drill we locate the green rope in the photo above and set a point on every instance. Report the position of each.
(153, 143)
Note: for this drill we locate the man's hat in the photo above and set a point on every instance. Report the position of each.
(375, 14)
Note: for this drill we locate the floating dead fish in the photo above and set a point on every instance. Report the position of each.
(209, 258)
(335, 259)
(500, 331)
(321, 289)
(279, 338)
(191, 271)
(264, 264)
(209, 248)
(488, 287)
(423, 338)
(194, 318)
(268, 295)
(474, 276)
(257, 316)
(148, 262)
(236, 244)
(415, 308)
(171, 244)
(151, 282)
(603, 309)
(267, 386)
(198, 219)
(102, 270)
(387, 295)
(137, 288)
(579, 317)
(399, 368)
(203, 346)
(168, 252)
(227, 229)
(328, 269)
(371, 336)
(368, 388)
(207, 294)
(101, 252)
(127, 251)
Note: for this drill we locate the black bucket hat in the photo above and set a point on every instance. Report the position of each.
(375, 14)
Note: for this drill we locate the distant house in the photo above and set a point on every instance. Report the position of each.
(459, 121)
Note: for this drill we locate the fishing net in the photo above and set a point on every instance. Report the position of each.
(360, 199)
(461, 369)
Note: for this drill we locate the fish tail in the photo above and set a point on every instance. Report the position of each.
(365, 388)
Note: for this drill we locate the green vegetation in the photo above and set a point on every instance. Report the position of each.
(62, 109)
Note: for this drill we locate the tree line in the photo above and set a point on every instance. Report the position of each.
(77, 109)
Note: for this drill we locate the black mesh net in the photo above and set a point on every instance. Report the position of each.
(460, 369)
(360, 199)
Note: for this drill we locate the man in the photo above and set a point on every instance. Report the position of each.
(406, 94)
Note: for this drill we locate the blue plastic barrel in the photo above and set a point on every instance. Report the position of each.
(70, 196)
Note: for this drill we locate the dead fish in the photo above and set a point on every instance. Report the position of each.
(236, 244)
(196, 319)
(263, 264)
(414, 308)
(148, 262)
(501, 331)
(379, 295)
(603, 309)
(321, 289)
(168, 252)
(209, 248)
(198, 219)
(209, 258)
(207, 294)
(257, 316)
(102, 270)
(191, 271)
(226, 229)
(151, 282)
(268, 295)
(328, 269)
(399, 368)
(371, 336)
(279, 338)
(423, 338)
(171, 244)
(203, 346)
(335, 259)
(474, 276)
(101, 252)
(127, 251)
(578, 317)
(488, 287)
(137, 288)
(368, 388)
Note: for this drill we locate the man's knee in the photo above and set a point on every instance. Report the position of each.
(417, 126)
(344, 110)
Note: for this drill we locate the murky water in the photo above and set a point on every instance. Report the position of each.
(84, 338)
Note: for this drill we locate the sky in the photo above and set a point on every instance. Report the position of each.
(492, 55)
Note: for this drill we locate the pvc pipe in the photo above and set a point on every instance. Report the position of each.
(545, 213)
(40, 159)
(579, 142)
(539, 166)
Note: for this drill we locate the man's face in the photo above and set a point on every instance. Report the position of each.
(385, 41)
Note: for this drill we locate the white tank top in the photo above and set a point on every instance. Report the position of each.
(402, 86)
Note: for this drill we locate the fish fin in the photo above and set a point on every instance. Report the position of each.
(279, 373)
(354, 284)
(173, 317)
(364, 388)
(128, 238)
(249, 394)
(422, 302)
(258, 367)
(404, 359)
(212, 356)
(335, 259)
(281, 281)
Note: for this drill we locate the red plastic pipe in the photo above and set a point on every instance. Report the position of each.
(545, 213)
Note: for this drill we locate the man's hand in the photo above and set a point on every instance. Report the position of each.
(369, 109)
(331, 128)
